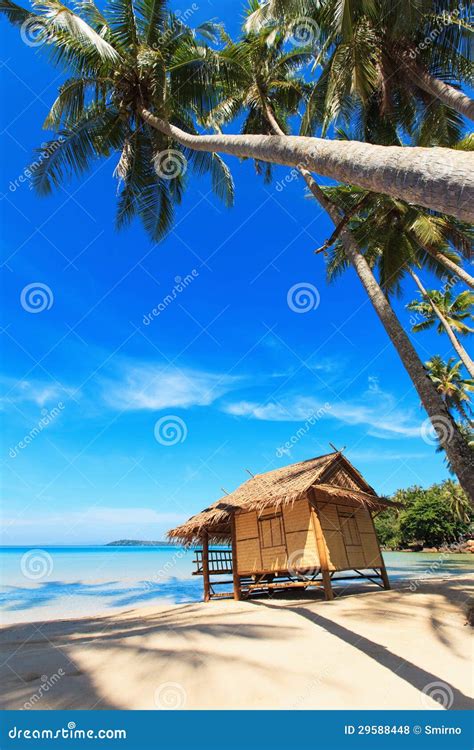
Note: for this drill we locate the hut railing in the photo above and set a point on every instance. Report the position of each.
(220, 562)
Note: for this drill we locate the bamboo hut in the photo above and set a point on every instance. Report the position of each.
(297, 526)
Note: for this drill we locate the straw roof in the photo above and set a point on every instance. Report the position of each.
(281, 487)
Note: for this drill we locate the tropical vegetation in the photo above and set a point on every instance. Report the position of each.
(432, 517)
(143, 85)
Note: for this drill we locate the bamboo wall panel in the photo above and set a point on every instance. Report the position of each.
(336, 550)
(249, 558)
(329, 517)
(302, 549)
(297, 516)
(364, 521)
(371, 549)
(355, 556)
(246, 525)
(274, 558)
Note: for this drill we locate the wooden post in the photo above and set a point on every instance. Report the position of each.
(322, 552)
(383, 569)
(235, 575)
(205, 566)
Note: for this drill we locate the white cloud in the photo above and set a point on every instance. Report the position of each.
(144, 386)
(375, 409)
(33, 391)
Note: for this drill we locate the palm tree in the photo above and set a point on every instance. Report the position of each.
(447, 313)
(398, 55)
(128, 75)
(122, 62)
(398, 234)
(260, 83)
(451, 385)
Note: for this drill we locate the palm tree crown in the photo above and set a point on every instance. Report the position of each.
(456, 309)
(134, 54)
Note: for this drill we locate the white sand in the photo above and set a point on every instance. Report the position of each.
(369, 650)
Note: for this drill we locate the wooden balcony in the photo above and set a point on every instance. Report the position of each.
(220, 562)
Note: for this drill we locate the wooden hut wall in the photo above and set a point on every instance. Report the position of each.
(276, 538)
(350, 537)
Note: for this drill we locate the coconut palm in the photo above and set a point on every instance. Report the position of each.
(396, 234)
(389, 57)
(117, 63)
(257, 89)
(448, 313)
(451, 385)
(126, 71)
(129, 79)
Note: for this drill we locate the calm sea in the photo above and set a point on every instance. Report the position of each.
(50, 582)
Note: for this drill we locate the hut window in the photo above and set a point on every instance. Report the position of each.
(349, 529)
(271, 530)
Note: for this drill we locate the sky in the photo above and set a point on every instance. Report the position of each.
(156, 376)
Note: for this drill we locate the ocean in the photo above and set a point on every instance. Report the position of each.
(61, 582)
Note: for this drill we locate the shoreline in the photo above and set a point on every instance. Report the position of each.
(284, 652)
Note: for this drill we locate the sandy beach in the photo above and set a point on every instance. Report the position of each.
(380, 649)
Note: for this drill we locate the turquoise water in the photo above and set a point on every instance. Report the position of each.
(64, 582)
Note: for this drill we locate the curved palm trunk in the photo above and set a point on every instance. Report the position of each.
(457, 346)
(438, 178)
(451, 266)
(448, 95)
(460, 455)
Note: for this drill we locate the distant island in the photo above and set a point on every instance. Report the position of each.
(138, 543)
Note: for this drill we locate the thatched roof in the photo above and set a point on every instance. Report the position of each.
(280, 487)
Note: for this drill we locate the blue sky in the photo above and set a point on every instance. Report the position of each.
(228, 360)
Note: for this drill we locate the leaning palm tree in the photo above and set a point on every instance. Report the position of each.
(396, 56)
(451, 385)
(446, 312)
(128, 78)
(399, 234)
(259, 88)
(122, 61)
